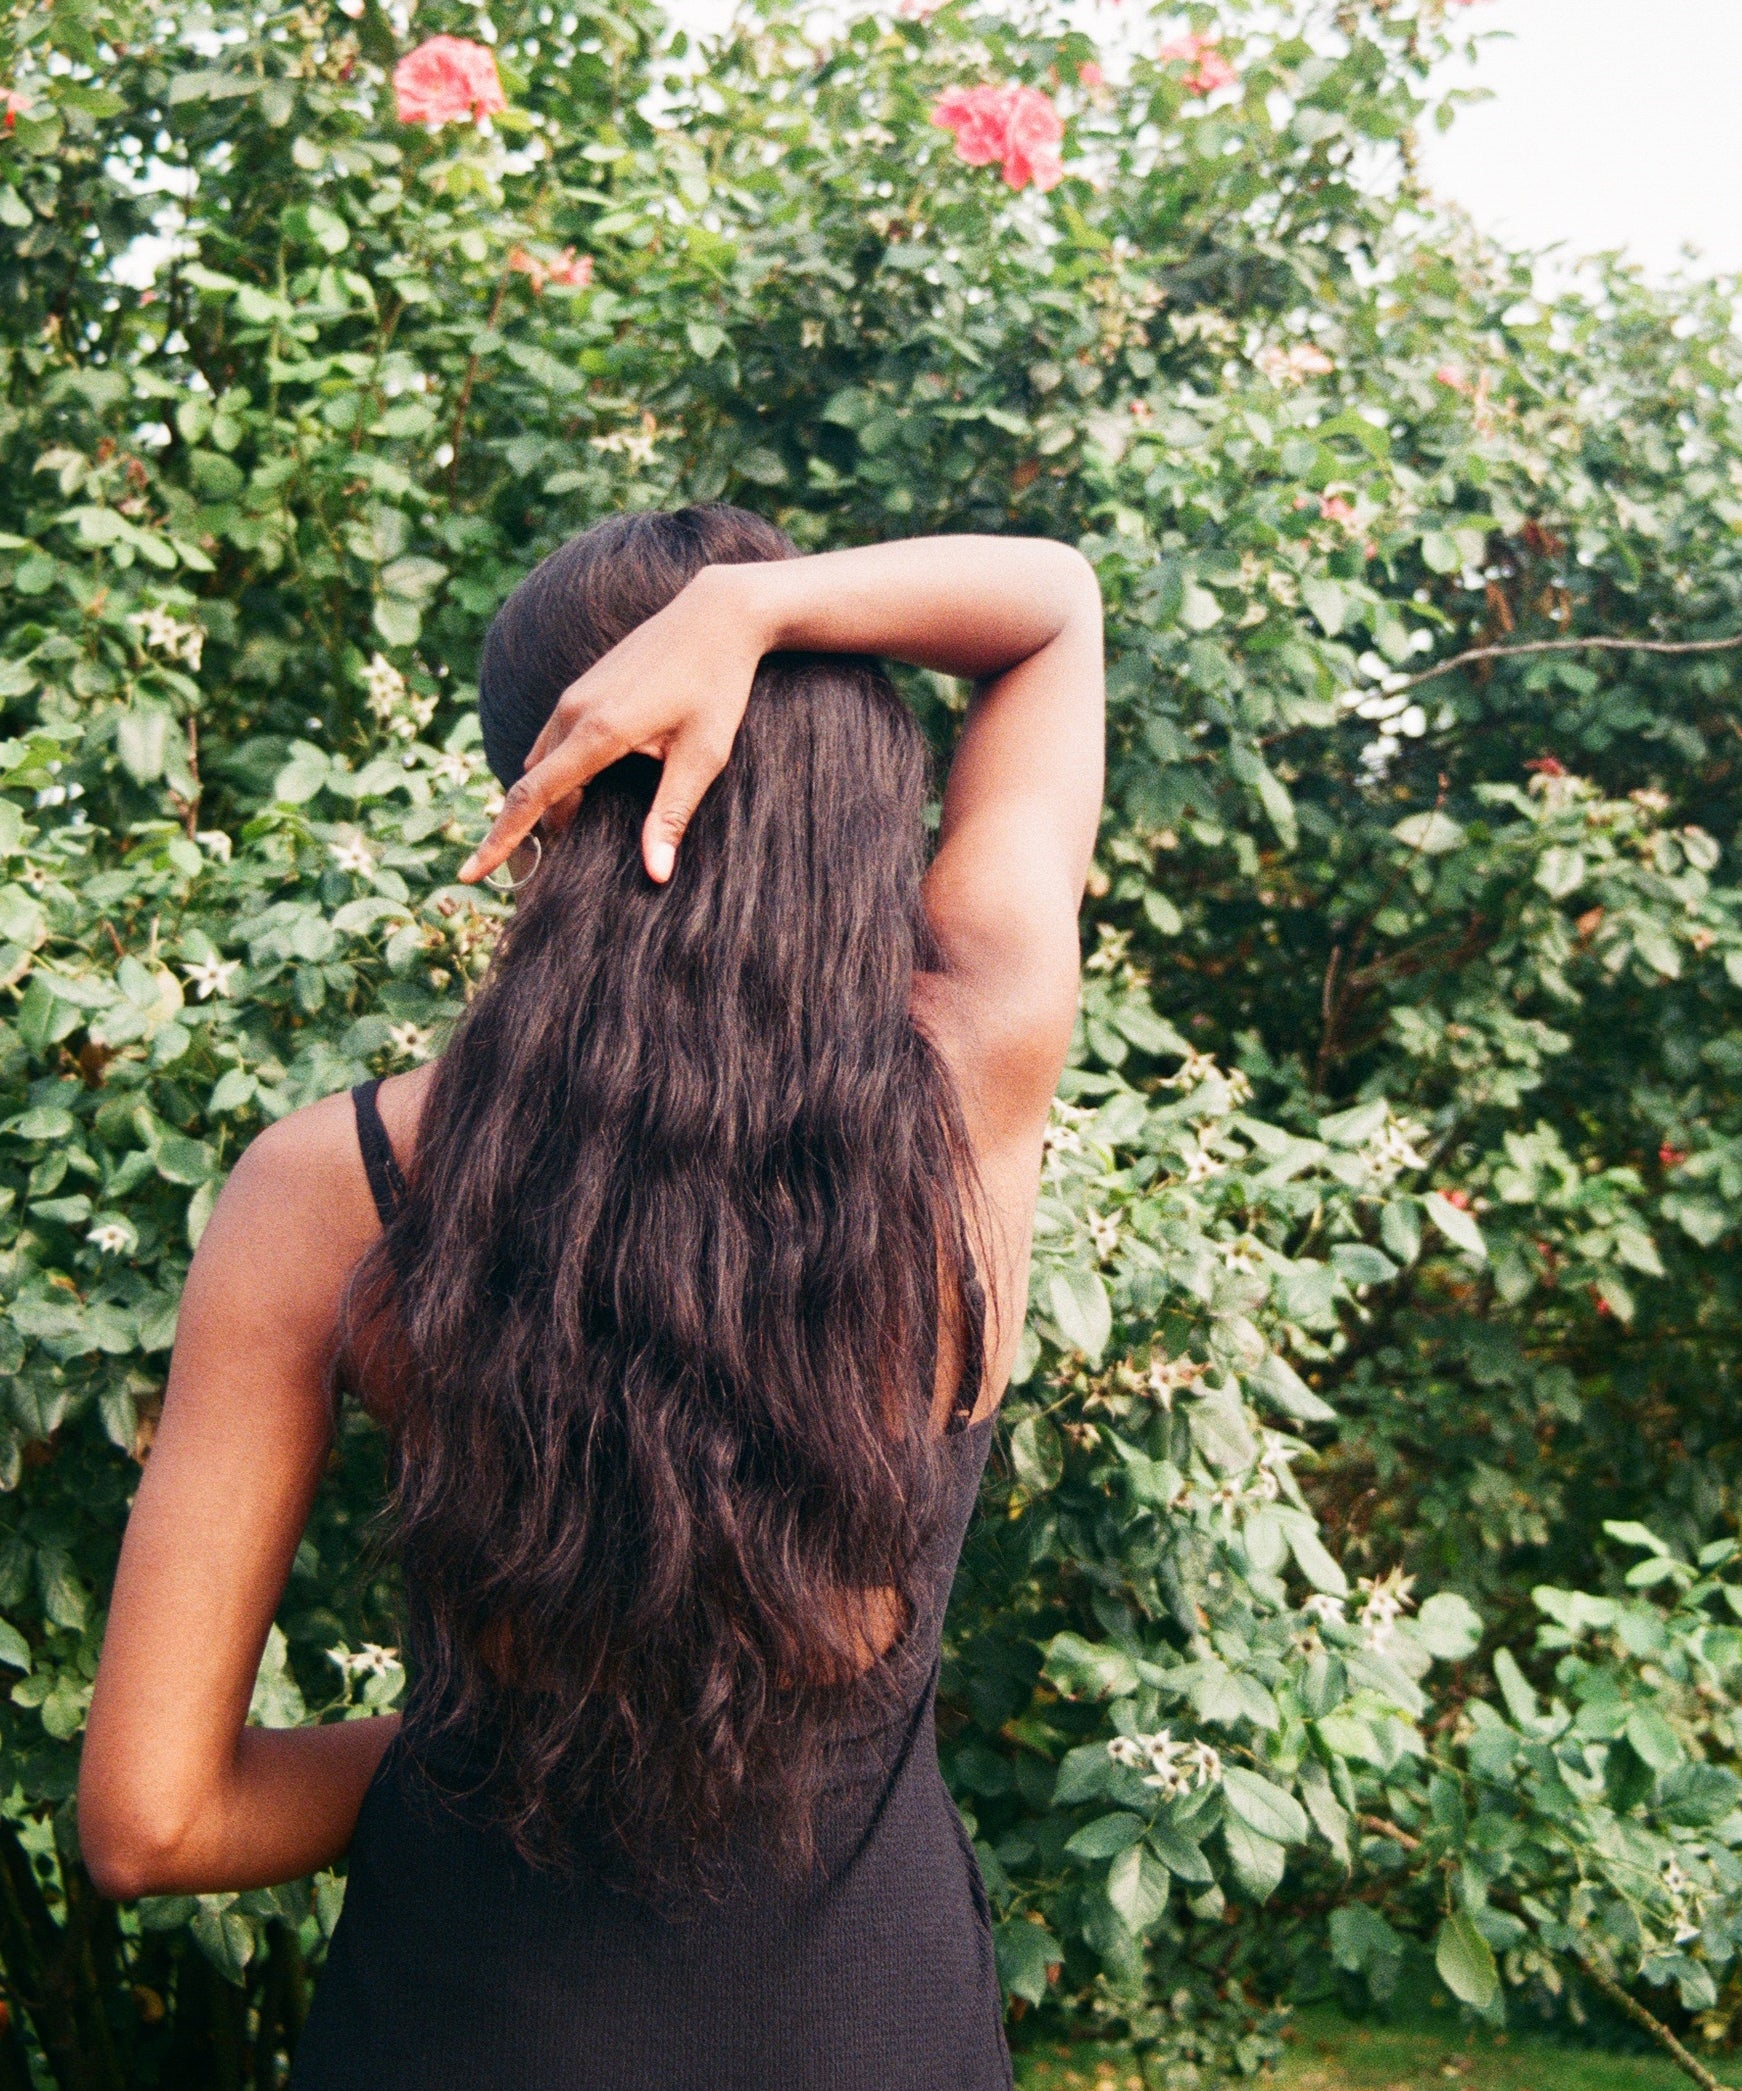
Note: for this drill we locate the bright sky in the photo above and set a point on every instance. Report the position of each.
(1613, 124)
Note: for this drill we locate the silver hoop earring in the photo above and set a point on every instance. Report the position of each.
(511, 884)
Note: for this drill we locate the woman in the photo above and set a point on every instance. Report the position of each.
(686, 1283)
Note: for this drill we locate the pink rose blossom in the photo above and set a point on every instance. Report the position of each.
(572, 271)
(1209, 69)
(1089, 74)
(1452, 378)
(446, 79)
(1334, 509)
(1016, 126)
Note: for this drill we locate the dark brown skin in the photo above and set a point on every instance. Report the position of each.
(176, 1793)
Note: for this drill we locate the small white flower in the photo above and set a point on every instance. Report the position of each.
(411, 1041)
(1061, 1135)
(1104, 1233)
(454, 769)
(353, 854)
(113, 1238)
(1125, 1749)
(165, 633)
(371, 1660)
(635, 444)
(1387, 1599)
(215, 843)
(383, 685)
(212, 976)
(1324, 1605)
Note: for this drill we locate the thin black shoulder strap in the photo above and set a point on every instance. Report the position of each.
(380, 1163)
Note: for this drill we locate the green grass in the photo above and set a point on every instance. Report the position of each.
(1327, 2052)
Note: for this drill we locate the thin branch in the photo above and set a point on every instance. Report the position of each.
(1379, 1827)
(1606, 1983)
(1689, 2064)
(1501, 653)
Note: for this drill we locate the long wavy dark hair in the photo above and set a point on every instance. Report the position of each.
(686, 1219)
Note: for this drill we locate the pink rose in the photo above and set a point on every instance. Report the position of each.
(1209, 69)
(446, 79)
(1016, 126)
(1089, 74)
(1334, 509)
(573, 272)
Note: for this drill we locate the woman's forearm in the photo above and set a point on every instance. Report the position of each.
(966, 606)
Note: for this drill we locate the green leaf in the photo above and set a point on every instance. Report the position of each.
(1264, 1807)
(1027, 1954)
(1036, 1453)
(1105, 1836)
(1430, 834)
(1458, 1226)
(1626, 1533)
(1082, 1775)
(1515, 1690)
(1465, 1962)
(1448, 1626)
(397, 621)
(1654, 1739)
(1183, 1856)
(1138, 1888)
(1258, 1861)
(1562, 871)
(1277, 1380)
(1081, 1308)
(1327, 602)
(1311, 1557)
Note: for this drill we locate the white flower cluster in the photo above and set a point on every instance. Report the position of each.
(1061, 1135)
(165, 633)
(1197, 1068)
(1392, 1150)
(1386, 1599)
(455, 767)
(1175, 1767)
(1687, 1900)
(635, 444)
(404, 712)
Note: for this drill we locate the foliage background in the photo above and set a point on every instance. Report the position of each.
(1354, 1605)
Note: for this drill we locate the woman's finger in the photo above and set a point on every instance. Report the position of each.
(692, 763)
(588, 748)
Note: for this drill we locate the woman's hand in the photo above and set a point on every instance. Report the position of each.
(675, 689)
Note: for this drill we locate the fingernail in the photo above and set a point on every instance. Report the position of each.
(469, 870)
(660, 858)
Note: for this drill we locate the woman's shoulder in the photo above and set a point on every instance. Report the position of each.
(298, 1202)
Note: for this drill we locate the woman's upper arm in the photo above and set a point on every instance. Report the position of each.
(226, 1491)
(1020, 815)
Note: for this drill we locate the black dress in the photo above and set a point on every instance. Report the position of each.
(457, 1967)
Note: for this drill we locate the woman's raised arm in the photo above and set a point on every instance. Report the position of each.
(1019, 617)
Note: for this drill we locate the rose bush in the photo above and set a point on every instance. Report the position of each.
(1384, 1290)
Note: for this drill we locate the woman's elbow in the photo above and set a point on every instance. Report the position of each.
(129, 1847)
